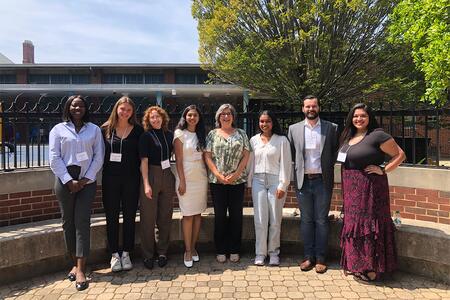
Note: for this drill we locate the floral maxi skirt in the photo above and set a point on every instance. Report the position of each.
(367, 237)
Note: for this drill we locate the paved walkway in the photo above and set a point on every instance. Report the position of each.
(211, 280)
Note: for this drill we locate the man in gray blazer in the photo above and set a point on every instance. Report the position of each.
(314, 145)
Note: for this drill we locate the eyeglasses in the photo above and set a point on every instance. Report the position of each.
(227, 114)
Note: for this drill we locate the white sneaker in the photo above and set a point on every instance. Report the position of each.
(116, 265)
(274, 260)
(259, 260)
(126, 262)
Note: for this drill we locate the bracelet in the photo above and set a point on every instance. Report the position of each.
(383, 169)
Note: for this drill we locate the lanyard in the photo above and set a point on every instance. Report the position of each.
(121, 139)
(165, 141)
(342, 155)
(348, 148)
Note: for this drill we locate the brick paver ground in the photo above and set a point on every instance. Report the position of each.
(211, 280)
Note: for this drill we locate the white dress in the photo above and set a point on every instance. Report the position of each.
(193, 202)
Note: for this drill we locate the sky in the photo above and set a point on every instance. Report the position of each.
(100, 31)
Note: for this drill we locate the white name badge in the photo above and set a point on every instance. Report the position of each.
(165, 164)
(310, 143)
(82, 156)
(197, 155)
(117, 157)
(341, 156)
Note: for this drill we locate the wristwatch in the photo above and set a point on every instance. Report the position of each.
(382, 167)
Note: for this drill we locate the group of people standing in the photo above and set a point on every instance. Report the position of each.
(137, 173)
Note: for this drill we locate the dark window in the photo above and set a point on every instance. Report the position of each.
(154, 78)
(134, 79)
(80, 79)
(60, 79)
(112, 78)
(7, 78)
(39, 79)
(202, 78)
(185, 78)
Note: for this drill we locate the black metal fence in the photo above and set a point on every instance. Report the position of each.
(423, 132)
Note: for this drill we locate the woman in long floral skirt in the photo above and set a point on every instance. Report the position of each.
(367, 238)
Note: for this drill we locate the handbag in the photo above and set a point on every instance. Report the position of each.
(74, 171)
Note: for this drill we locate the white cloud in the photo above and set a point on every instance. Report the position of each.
(100, 30)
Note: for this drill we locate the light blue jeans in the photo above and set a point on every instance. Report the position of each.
(314, 202)
(268, 212)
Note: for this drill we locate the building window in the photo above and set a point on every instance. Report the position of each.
(191, 78)
(39, 79)
(185, 78)
(7, 78)
(202, 78)
(154, 78)
(134, 79)
(60, 79)
(80, 79)
(112, 78)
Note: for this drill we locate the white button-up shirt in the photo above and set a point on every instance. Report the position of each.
(271, 158)
(312, 156)
(64, 145)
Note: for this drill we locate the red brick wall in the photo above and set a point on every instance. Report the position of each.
(25, 207)
(419, 204)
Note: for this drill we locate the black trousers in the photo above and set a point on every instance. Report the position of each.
(227, 229)
(120, 193)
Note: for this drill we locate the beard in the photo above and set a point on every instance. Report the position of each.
(311, 115)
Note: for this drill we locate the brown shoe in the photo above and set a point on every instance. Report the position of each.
(306, 265)
(321, 267)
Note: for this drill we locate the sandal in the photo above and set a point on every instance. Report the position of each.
(364, 277)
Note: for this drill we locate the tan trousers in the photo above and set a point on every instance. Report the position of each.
(156, 211)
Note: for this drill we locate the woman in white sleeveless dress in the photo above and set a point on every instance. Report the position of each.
(191, 180)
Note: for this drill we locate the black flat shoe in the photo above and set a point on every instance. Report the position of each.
(71, 276)
(162, 261)
(148, 263)
(80, 286)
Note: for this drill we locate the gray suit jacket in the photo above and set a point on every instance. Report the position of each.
(328, 148)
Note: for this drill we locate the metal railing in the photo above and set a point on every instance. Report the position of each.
(422, 131)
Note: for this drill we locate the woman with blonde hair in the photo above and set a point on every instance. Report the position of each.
(121, 179)
(158, 188)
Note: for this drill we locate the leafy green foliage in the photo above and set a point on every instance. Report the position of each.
(289, 48)
(425, 25)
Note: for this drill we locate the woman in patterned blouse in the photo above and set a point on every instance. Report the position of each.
(227, 153)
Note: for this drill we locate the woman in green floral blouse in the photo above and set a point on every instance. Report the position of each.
(227, 154)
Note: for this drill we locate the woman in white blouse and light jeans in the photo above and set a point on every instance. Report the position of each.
(269, 177)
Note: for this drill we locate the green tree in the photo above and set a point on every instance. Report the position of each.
(288, 48)
(400, 82)
(425, 25)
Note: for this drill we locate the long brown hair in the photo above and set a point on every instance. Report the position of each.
(146, 118)
(111, 123)
(350, 129)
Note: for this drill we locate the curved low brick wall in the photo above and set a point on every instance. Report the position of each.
(29, 250)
